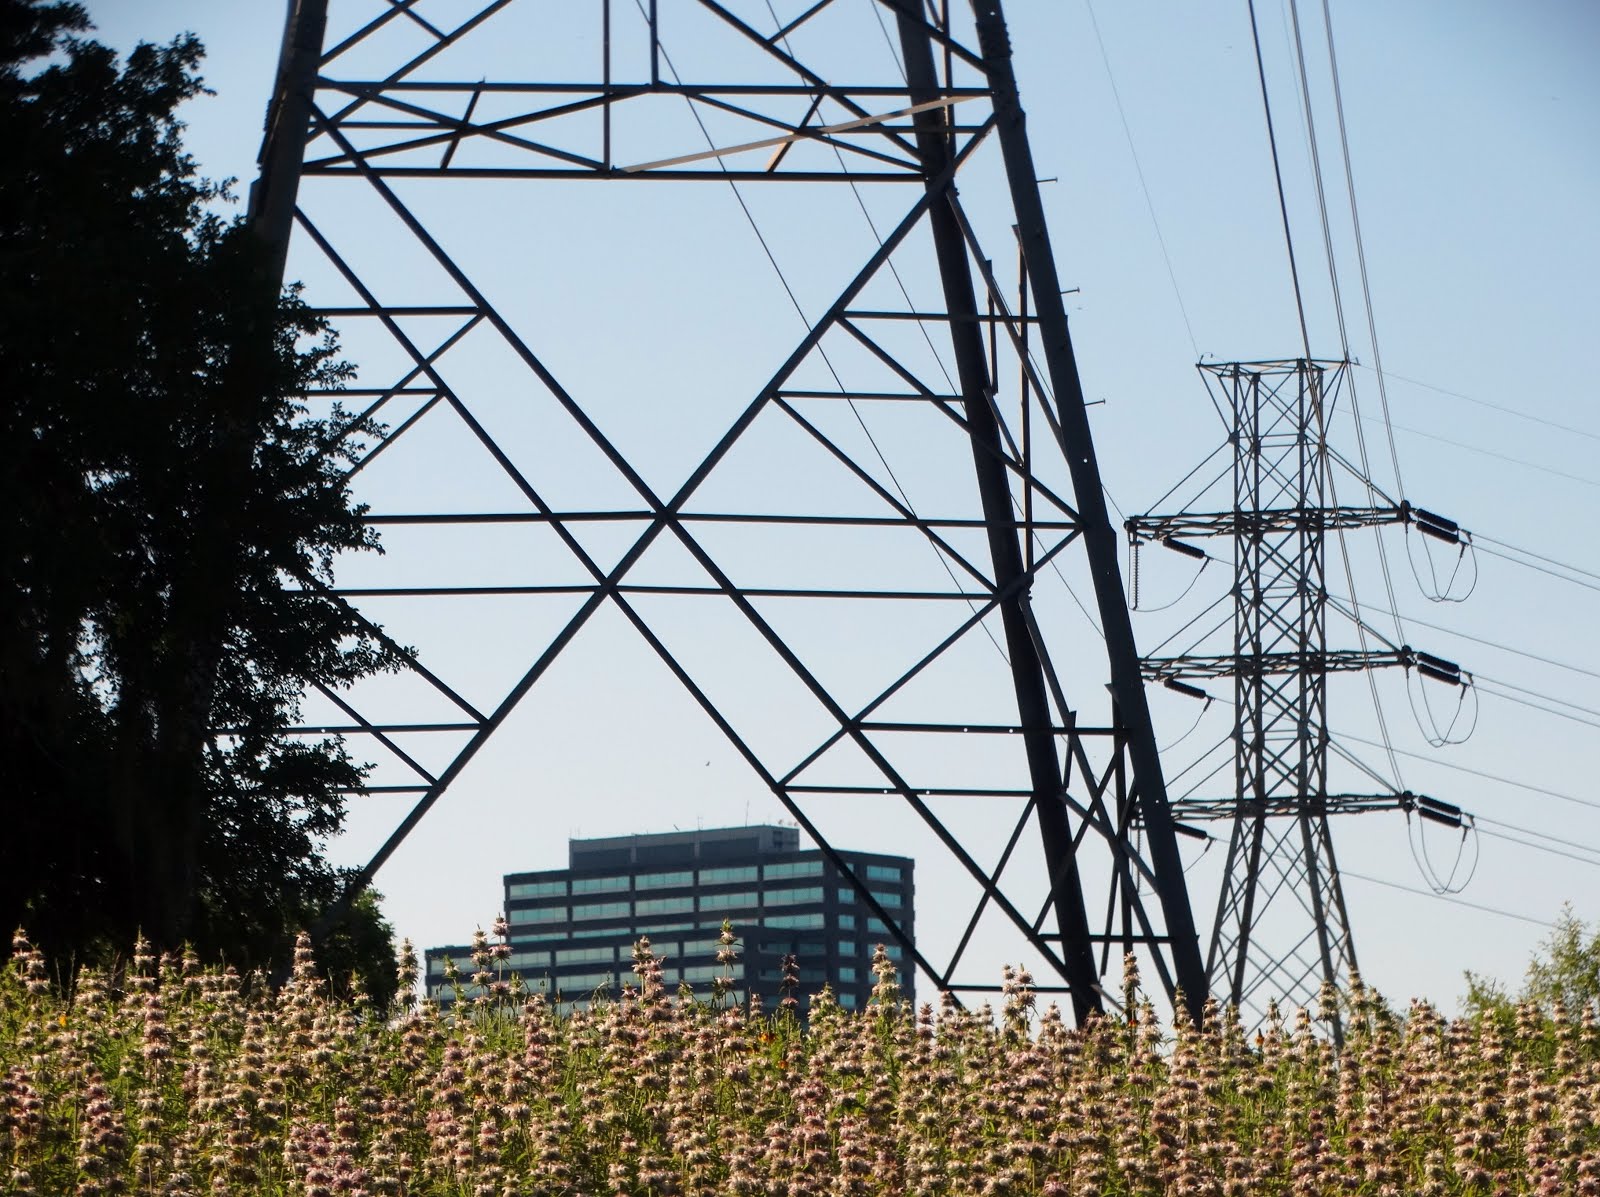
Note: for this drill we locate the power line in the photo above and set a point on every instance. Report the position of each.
(1226, 470)
(1454, 901)
(1499, 407)
(805, 320)
(1218, 768)
(1563, 702)
(1422, 623)
(1360, 622)
(1591, 803)
(1360, 764)
(1277, 174)
(1365, 473)
(1418, 846)
(1579, 581)
(1139, 170)
(1227, 618)
(1543, 835)
(1521, 461)
(1558, 707)
(1478, 537)
(938, 357)
(1226, 738)
(1531, 705)
(1511, 833)
(1310, 124)
(1361, 252)
(1511, 839)
(1204, 710)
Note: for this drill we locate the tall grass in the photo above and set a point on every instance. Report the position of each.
(174, 1079)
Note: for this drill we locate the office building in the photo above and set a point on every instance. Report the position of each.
(573, 929)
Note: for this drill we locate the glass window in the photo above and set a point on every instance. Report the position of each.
(846, 894)
(730, 876)
(595, 932)
(847, 947)
(883, 873)
(704, 972)
(663, 905)
(847, 922)
(794, 868)
(700, 947)
(664, 880)
(598, 885)
(607, 955)
(888, 900)
(792, 897)
(584, 982)
(803, 921)
(847, 972)
(726, 901)
(521, 960)
(876, 927)
(847, 1000)
(537, 889)
(541, 914)
(601, 910)
(652, 930)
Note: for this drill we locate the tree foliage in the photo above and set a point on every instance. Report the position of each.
(171, 507)
(1565, 970)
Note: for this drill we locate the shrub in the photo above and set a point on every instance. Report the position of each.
(169, 1078)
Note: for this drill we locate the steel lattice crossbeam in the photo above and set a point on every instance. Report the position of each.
(393, 108)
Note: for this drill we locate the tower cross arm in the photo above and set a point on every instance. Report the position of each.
(1198, 810)
(1195, 666)
(1161, 529)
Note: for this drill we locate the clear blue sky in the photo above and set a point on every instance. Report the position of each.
(1474, 130)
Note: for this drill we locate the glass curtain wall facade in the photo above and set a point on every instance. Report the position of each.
(573, 929)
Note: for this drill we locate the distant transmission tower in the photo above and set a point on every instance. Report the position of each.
(1281, 928)
(430, 167)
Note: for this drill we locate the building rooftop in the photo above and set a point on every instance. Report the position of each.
(681, 847)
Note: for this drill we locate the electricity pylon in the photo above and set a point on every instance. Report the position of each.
(1281, 928)
(396, 133)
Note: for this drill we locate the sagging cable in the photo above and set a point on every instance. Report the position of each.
(1437, 732)
(1432, 810)
(1454, 588)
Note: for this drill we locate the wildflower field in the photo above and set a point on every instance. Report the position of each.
(167, 1078)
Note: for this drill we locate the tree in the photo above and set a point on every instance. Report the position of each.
(173, 510)
(1566, 969)
(359, 950)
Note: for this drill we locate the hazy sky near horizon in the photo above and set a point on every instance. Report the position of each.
(1474, 134)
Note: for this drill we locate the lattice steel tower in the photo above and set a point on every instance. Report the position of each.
(1281, 926)
(913, 468)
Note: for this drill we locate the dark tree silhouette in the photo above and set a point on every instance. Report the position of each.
(168, 501)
